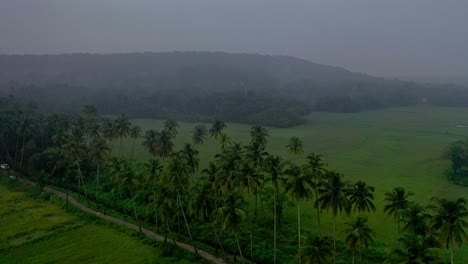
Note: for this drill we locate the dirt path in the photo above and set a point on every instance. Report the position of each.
(118, 221)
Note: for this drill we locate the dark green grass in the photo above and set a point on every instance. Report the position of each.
(385, 148)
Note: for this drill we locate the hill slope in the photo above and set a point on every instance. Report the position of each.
(202, 86)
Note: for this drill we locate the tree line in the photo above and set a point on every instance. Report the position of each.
(236, 204)
(457, 153)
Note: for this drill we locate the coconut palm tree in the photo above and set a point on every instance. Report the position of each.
(317, 250)
(317, 172)
(122, 126)
(98, 153)
(177, 174)
(358, 235)
(74, 151)
(164, 144)
(415, 249)
(299, 184)
(295, 146)
(171, 126)
(360, 197)
(199, 134)
(190, 154)
(109, 133)
(134, 133)
(26, 128)
(217, 128)
(415, 219)
(231, 215)
(449, 219)
(224, 141)
(258, 135)
(333, 195)
(275, 168)
(397, 202)
(150, 141)
(131, 179)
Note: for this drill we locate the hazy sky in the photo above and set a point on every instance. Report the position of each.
(381, 37)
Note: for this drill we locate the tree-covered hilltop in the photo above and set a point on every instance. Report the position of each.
(247, 88)
(235, 205)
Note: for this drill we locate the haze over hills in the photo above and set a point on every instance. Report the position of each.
(247, 88)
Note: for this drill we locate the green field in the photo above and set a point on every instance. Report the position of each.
(38, 231)
(385, 148)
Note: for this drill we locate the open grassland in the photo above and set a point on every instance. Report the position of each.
(385, 148)
(38, 231)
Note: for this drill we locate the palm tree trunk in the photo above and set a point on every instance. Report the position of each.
(398, 230)
(353, 256)
(170, 233)
(251, 229)
(133, 148)
(360, 256)
(82, 180)
(299, 229)
(22, 153)
(97, 185)
(318, 212)
(16, 149)
(451, 255)
(274, 233)
(217, 239)
(238, 246)
(334, 238)
(186, 223)
(120, 150)
(135, 212)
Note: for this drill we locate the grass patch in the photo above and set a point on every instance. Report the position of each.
(38, 231)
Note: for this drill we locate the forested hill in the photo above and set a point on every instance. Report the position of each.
(247, 88)
(165, 68)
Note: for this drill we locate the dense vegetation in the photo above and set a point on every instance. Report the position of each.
(200, 86)
(457, 153)
(239, 198)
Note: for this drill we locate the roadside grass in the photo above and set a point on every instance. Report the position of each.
(36, 230)
(385, 148)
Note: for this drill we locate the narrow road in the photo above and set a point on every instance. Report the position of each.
(118, 221)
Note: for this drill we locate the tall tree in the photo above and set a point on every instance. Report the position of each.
(177, 173)
(358, 235)
(190, 154)
(26, 128)
(98, 152)
(217, 129)
(171, 126)
(275, 168)
(164, 144)
(317, 172)
(415, 249)
(333, 195)
(299, 184)
(231, 215)
(360, 197)
(199, 134)
(449, 220)
(224, 141)
(258, 136)
(295, 146)
(397, 202)
(122, 127)
(74, 151)
(317, 250)
(134, 133)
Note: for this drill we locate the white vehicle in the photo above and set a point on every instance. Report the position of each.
(5, 166)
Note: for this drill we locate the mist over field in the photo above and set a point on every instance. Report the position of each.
(250, 131)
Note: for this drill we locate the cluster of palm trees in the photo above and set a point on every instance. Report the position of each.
(226, 196)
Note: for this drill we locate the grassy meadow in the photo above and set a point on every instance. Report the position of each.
(385, 148)
(40, 231)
